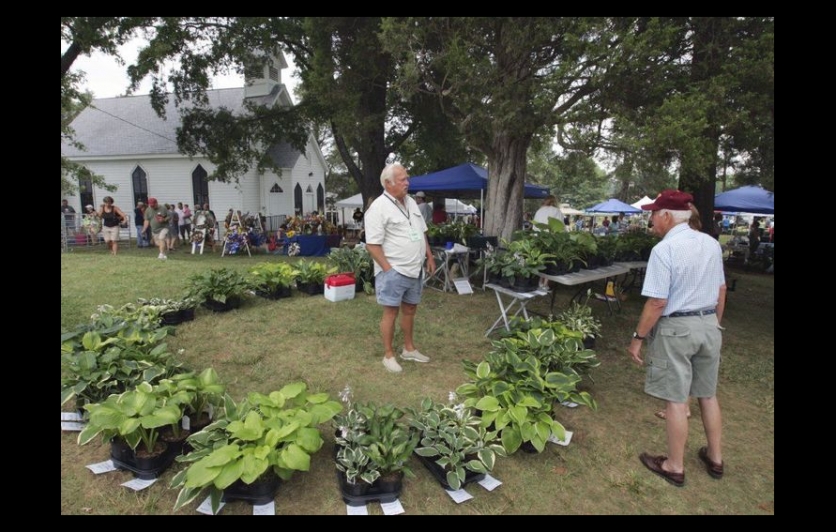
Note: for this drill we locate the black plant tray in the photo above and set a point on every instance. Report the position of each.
(258, 493)
(374, 493)
(441, 476)
(123, 457)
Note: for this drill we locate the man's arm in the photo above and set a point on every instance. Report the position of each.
(721, 303)
(651, 313)
(376, 251)
(430, 257)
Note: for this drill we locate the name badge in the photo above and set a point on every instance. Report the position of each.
(414, 235)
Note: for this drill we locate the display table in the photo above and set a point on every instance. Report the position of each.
(636, 274)
(313, 245)
(587, 277)
(517, 298)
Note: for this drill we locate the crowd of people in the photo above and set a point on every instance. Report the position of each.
(165, 226)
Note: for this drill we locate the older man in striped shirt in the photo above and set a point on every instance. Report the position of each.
(686, 291)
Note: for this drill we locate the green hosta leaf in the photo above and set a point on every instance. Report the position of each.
(426, 451)
(293, 389)
(488, 404)
(200, 474)
(167, 415)
(250, 429)
(487, 457)
(186, 496)
(253, 466)
(518, 414)
(229, 474)
(294, 457)
(453, 480)
(483, 370)
(511, 439)
(309, 439)
(477, 466)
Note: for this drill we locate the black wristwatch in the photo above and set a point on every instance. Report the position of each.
(636, 336)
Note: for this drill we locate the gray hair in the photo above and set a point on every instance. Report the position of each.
(678, 216)
(388, 173)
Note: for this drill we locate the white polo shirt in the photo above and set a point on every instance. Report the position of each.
(400, 230)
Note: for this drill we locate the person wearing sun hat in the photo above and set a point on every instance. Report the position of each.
(686, 291)
(156, 217)
(423, 206)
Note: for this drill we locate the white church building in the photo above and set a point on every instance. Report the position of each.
(135, 149)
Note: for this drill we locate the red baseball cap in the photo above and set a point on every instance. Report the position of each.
(675, 200)
(152, 202)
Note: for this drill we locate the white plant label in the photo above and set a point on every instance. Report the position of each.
(138, 484)
(102, 467)
(265, 509)
(563, 442)
(489, 483)
(356, 510)
(392, 508)
(206, 506)
(459, 496)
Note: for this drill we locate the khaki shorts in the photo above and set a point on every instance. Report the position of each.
(160, 237)
(683, 358)
(110, 234)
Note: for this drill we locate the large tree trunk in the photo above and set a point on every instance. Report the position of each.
(506, 182)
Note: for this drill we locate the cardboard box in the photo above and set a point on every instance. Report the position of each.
(340, 287)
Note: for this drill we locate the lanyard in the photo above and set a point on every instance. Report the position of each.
(395, 203)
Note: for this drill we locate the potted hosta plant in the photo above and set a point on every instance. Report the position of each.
(218, 289)
(454, 445)
(111, 356)
(310, 276)
(578, 317)
(132, 421)
(355, 260)
(272, 280)
(515, 391)
(253, 445)
(374, 444)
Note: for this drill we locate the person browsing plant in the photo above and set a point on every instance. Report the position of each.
(156, 217)
(686, 290)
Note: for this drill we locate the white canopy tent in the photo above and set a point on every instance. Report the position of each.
(452, 206)
(644, 201)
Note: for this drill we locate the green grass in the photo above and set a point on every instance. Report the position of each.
(266, 344)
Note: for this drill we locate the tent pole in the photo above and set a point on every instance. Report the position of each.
(482, 207)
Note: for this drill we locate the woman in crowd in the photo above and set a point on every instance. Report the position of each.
(112, 217)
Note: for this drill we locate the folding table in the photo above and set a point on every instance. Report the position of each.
(517, 298)
(585, 277)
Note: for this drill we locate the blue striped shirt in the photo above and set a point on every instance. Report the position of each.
(686, 269)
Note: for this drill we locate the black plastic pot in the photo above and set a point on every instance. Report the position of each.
(441, 475)
(145, 466)
(262, 491)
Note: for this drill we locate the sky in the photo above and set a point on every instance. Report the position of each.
(107, 79)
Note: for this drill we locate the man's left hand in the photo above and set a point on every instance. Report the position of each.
(635, 350)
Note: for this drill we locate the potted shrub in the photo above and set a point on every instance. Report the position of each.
(132, 422)
(272, 280)
(253, 445)
(454, 445)
(219, 289)
(310, 276)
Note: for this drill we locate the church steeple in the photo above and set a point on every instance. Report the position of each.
(261, 79)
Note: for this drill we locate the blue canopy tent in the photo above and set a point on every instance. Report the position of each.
(752, 199)
(613, 206)
(464, 181)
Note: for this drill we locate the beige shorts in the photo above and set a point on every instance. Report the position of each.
(110, 234)
(160, 237)
(683, 358)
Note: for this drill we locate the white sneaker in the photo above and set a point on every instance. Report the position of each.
(414, 355)
(162, 256)
(392, 365)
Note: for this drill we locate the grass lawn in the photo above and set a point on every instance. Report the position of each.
(266, 344)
